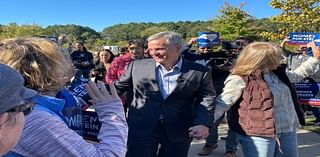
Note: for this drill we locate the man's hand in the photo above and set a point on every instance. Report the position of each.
(192, 41)
(315, 50)
(285, 40)
(99, 93)
(199, 132)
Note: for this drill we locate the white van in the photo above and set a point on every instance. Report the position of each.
(114, 49)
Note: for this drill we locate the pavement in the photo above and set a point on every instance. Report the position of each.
(309, 144)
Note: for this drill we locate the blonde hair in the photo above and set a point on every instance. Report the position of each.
(40, 61)
(258, 56)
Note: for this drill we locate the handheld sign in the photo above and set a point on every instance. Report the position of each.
(77, 88)
(90, 121)
(208, 39)
(308, 93)
(317, 39)
(91, 125)
(302, 38)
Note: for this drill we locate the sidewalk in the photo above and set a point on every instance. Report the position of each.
(309, 144)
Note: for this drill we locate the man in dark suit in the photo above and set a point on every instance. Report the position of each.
(172, 100)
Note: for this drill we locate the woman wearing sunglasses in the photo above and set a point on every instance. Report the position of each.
(14, 105)
(44, 67)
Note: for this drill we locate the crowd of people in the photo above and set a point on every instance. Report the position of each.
(154, 98)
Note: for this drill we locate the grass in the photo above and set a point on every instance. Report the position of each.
(310, 125)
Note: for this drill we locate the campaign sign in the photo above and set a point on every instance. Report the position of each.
(77, 88)
(317, 39)
(308, 93)
(71, 110)
(208, 39)
(73, 116)
(302, 38)
(90, 125)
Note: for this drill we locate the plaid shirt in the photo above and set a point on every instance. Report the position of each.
(118, 67)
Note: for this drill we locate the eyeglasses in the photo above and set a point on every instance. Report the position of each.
(26, 108)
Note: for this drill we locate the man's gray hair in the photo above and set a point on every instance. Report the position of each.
(171, 37)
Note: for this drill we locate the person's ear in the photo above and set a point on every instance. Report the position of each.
(3, 119)
(178, 47)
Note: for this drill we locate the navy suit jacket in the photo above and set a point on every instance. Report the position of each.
(191, 103)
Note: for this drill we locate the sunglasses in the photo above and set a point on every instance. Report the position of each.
(26, 108)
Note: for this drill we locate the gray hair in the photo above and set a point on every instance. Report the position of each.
(171, 37)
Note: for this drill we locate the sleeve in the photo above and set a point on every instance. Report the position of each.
(232, 91)
(306, 69)
(46, 135)
(125, 82)
(91, 60)
(204, 104)
(112, 74)
(185, 48)
(188, 55)
(73, 57)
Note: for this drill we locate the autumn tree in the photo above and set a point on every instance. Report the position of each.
(296, 16)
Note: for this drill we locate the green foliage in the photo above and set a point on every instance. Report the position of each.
(12, 30)
(302, 15)
(151, 30)
(75, 33)
(310, 125)
(123, 32)
(296, 16)
(233, 22)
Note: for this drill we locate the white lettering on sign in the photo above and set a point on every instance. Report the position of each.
(304, 37)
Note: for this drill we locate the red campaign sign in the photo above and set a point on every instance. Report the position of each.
(315, 103)
(308, 93)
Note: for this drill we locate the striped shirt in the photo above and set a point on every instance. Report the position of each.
(47, 135)
(285, 116)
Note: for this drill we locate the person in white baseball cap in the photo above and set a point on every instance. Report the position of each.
(15, 103)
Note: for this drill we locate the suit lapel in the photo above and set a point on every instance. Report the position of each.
(183, 78)
(152, 76)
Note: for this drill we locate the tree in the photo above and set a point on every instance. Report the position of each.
(151, 30)
(74, 32)
(296, 16)
(13, 30)
(233, 22)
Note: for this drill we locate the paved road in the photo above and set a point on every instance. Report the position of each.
(309, 144)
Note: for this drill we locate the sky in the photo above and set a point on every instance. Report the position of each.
(99, 14)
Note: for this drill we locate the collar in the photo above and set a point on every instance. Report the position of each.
(51, 103)
(178, 65)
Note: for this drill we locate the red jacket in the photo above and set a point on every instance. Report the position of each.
(118, 67)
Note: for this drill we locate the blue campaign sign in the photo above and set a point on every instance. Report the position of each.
(208, 39)
(302, 38)
(77, 88)
(308, 93)
(317, 39)
(91, 125)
